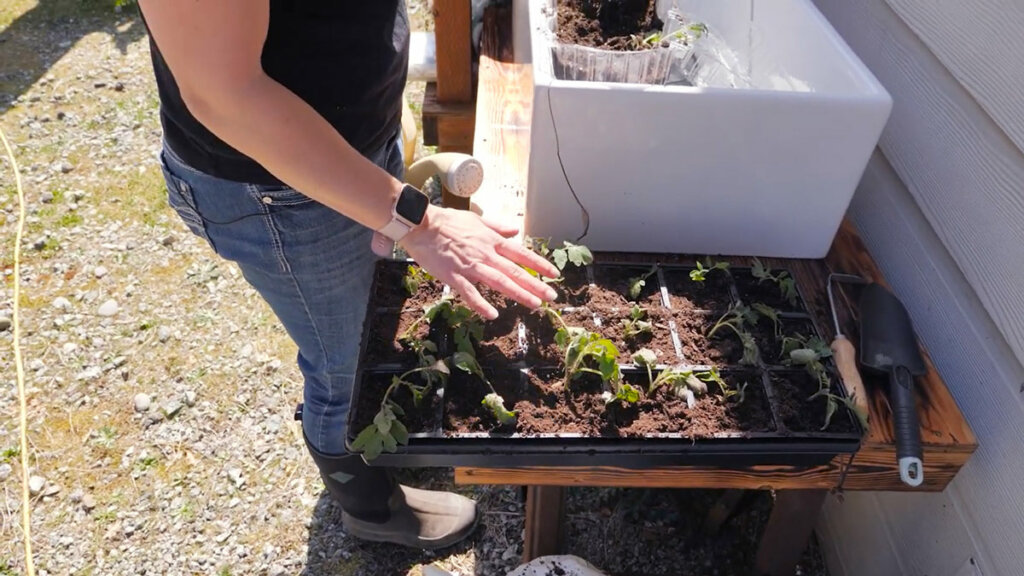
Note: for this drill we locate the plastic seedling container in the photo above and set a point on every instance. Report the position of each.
(454, 430)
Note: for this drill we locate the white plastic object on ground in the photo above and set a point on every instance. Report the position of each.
(570, 566)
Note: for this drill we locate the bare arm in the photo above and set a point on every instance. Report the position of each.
(213, 48)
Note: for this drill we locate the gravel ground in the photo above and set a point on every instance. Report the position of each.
(161, 388)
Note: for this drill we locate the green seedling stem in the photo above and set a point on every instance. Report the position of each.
(785, 282)
(736, 319)
(386, 431)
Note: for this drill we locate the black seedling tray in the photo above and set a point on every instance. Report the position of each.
(435, 446)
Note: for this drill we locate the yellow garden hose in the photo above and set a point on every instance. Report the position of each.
(26, 518)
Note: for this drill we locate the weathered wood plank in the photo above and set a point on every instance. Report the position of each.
(452, 39)
(504, 106)
(762, 477)
(545, 521)
(458, 119)
(455, 134)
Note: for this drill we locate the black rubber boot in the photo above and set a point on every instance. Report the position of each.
(375, 507)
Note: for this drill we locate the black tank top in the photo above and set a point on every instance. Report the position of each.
(348, 59)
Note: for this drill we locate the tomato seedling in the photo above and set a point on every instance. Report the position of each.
(785, 282)
(701, 273)
(386, 431)
(637, 283)
(635, 325)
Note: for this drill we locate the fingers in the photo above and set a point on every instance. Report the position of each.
(474, 300)
(501, 282)
(522, 279)
(505, 229)
(519, 254)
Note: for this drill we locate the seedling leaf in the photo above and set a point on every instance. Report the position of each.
(636, 284)
(803, 356)
(787, 286)
(374, 447)
(634, 326)
(496, 404)
(645, 357)
(561, 259)
(627, 393)
(383, 420)
(578, 254)
(389, 443)
(696, 384)
(758, 270)
(365, 437)
(400, 432)
(414, 276)
(467, 363)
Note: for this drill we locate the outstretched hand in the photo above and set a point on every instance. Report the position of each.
(460, 248)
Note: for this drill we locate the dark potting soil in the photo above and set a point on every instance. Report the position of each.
(792, 389)
(543, 407)
(574, 289)
(607, 24)
(767, 292)
(383, 346)
(501, 344)
(391, 293)
(422, 418)
(724, 348)
(770, 344)
(686, 294)
(463, 396)
(612, 283)
(659, 339)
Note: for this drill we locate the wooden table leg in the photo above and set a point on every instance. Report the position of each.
(545, 521)
(788, 531)
(721, 511)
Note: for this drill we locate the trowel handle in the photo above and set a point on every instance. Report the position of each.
(906, 426)
(846, 361)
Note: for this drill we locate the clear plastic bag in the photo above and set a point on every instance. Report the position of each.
(671, 61)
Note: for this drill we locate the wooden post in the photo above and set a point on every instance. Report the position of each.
(453, 39)
(722, 510)
(545, 518)
(788, 530)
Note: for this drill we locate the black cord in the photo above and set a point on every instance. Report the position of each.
(558, 153)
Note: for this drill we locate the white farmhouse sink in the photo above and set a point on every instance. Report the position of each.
(765, 170)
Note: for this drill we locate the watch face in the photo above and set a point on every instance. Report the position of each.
(412, 204)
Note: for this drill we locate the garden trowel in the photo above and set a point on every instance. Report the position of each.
(888, 344)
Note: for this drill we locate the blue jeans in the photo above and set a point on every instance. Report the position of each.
(312, 265)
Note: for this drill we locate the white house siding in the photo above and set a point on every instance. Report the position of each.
(953, 136)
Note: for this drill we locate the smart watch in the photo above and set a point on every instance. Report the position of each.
(406, 214)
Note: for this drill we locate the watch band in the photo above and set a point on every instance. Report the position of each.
(396, 229)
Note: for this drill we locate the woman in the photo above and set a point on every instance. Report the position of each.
(282, 150)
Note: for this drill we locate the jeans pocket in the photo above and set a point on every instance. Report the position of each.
(181, 199)
(278, 195)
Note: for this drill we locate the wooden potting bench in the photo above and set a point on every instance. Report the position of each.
(500, 140)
